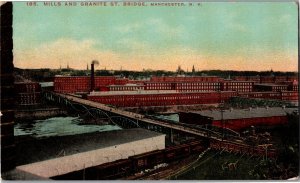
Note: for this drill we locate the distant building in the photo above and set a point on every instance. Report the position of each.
(179, 70)
(282, 95)
(27, 93)
(240, 86)
(266, 79)
(72, 84)
(126, 87)
(158, 98)
(270, 87)
(202, 89)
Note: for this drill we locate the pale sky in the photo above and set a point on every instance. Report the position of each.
(226, 36)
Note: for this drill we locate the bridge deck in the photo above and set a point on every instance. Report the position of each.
(229, 144)
(138, 117)
(235, 141)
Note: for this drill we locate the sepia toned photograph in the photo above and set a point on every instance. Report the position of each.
(150, 90)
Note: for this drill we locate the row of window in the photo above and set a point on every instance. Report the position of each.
(279, 88)
(198, 87)
(156, 97)
(153, 101)
(240, 88)
(289, 94)
(157, 88)
(124, 88)
(199, 84)
(238, 84)
(28, 99)
(158, 84)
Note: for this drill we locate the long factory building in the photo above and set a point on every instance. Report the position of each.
(158, 97)
(84, 150)
(166, 90)
(175, 90)
(72, 84)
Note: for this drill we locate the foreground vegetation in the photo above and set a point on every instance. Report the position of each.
(215, 165)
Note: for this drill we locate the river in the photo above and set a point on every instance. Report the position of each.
(58, 126)
(62, 126)
(174, 117)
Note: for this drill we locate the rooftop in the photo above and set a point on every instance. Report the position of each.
(128, 84)
(236, 81)
(269, 84)
(148, 92)
(141, 92)
(34, 150)
(64, 76)
(185, 76)
(246, 113)
(25, 82)
(46, 84)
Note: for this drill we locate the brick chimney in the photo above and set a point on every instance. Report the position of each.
(92, 77)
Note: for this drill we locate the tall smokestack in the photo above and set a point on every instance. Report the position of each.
(94, 62)
(92, 77)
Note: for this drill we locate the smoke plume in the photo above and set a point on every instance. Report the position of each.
(95, 62)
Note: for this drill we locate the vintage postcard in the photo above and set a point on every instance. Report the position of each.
(149, 90)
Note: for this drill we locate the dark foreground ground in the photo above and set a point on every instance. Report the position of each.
(214, 166)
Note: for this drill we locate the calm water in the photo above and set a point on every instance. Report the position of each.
(171, 117)
(59, 126)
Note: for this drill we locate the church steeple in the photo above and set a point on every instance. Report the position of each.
(272, 73)
(193, 69)
(178, 69)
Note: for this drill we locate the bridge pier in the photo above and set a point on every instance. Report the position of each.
(171, 136)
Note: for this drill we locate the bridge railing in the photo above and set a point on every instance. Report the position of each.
(67, 99)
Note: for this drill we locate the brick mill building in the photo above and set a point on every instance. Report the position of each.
(238, 119)
(158, 97)
(172, 90)
(27, 93)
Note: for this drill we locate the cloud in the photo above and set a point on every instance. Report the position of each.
(154, 24)
(129, 27)
(161, 27)
(135, 45)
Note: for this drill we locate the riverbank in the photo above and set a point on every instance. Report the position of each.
(169, 109)
(38, 114)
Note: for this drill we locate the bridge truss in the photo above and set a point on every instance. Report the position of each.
(126, 119)
(95, 113)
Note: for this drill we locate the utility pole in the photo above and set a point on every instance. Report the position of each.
(265, 146)
(222, 115)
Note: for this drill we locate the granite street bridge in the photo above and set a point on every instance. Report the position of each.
(127, 119)
(120, 117)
